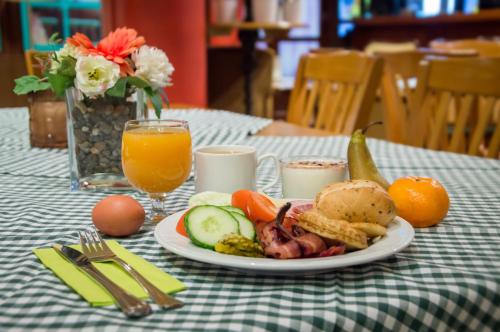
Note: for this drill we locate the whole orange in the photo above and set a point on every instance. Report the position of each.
(423, 202)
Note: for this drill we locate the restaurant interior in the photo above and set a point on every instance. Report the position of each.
(349, 149)
(227, 59)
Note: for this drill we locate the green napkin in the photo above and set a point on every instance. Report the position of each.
(91, 291)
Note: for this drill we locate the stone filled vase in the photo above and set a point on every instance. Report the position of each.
(95, 126)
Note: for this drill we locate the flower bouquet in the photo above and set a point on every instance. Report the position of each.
(105, 86)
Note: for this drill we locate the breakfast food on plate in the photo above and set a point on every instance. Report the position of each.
(333, 229)
(291, 241)
(361, 164)
(356, 201)
(210, 198)
(423, 202)
(235, 244)
(208, 224)
(118, 215)
(344, 216)
(256, 206)
(369, 228)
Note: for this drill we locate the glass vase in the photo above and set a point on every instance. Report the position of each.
(95, 127)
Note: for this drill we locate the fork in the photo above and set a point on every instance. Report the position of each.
(96, 249)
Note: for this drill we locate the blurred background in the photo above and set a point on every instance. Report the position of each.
(213, 50)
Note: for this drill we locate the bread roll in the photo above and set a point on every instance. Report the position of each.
(356, 201)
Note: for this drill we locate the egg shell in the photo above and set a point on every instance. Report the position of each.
(118, 215)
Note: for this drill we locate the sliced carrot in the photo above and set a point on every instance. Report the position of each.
(180, 225)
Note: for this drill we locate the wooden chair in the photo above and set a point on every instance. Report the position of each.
(334, 91)
(485, 48)
(399, 83)
(473, 86)
(390, 47)
(397, 91)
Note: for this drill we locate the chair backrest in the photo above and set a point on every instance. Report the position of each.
(398, 86)
(334, 91)
(469, 86)
(389, 47)
(485, 48)
(397, 91)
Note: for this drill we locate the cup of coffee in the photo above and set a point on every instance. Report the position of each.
(305, 176)
(228, 168)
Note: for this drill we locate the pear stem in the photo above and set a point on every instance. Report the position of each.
(371, 124)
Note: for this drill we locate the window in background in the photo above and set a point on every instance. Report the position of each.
(430, 8)
(471, 6)
(40, 19)
(347, 11)
(300, 40)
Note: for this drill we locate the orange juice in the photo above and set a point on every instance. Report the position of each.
(156, 159)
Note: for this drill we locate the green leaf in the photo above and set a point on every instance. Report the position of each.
(118, 90)
(149, 91)
(165, 97)
(137, 82)
(54, 38)
(29, 83)
(60, 83)
(67, 67)
(155, 98)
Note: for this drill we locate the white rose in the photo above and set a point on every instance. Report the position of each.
(95, 74)
(67, 50)
(152, 65)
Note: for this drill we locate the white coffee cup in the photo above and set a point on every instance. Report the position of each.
(228, 168)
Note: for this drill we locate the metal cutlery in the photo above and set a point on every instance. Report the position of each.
(96, 249)
(129, 304)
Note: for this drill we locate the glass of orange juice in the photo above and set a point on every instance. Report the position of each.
(156, 158)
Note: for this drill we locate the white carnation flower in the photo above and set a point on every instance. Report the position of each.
(95, 74)
(152, 65)
(67, 50)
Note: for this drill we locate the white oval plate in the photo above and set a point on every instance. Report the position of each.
(399, 235)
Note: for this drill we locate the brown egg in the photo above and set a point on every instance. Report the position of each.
(118, 215)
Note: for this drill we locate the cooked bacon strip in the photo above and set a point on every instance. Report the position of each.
(297, 208)
(311, 244)
(290, 249)
(284, 239)
(333, 251)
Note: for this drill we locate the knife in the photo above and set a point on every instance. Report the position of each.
(130, 305)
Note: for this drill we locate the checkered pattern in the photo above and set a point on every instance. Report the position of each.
(447, 279)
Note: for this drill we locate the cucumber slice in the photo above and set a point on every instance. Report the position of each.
(233, 209)
(246, 226)
(206, 225)
(210, 198)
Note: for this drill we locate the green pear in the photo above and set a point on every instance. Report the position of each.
(361, 164)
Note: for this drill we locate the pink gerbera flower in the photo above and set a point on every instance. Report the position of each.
(116, 46)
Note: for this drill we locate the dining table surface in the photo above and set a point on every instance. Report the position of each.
(447, 279)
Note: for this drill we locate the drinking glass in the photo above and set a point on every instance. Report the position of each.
(156, 159)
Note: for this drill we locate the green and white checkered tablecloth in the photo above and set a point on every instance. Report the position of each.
(447, 279)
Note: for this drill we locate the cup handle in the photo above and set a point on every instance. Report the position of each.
(276, 173)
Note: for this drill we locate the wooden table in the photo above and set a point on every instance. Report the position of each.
(281, 128)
